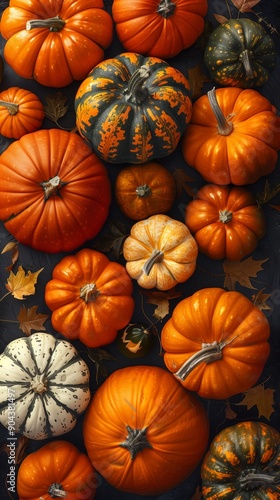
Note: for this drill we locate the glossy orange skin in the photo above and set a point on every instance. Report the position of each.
(95, 321)
(141, 28)
(177, 428)
(248, 152)
(56, 58)
(159, 182)
(225, 221)
(75, 212)
(56, 462)
(215, 315)
(28, 117)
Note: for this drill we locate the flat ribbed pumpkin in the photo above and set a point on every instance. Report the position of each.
(132, 108)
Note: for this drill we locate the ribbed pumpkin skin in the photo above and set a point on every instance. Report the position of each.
(145, 397)
(225, 322)
(159, 28)
(235, 458)
(49, 382)
(133, 120)
(227, 48)
(56, 465)
(21, 112)
(64, 194)
(225, 221)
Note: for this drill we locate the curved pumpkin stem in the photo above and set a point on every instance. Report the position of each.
(224, 127)
(136, 441)
(225, 216)
(155, 257)
(56, 491)
(38, 384)
(143, 191)
(53, 24)
(252, 479)
(208, 354)
(166, 8)
(245, 59)
(89, 292)
(52, 186)
(12, 107)
(136, 92)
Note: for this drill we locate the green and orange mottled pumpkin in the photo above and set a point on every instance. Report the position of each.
(133, 109)
(243, 463)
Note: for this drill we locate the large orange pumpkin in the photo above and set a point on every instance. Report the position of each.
(55, 41)
(225, 221)
(55, 192)
(90, 297)
(143, 432)
(216, 343)
(160, 28)
(233, 136)
(56, 470)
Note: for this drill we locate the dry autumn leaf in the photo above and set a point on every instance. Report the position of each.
(260, 397)
(12, 246)
(220, 19)
(267, 194)
(241, 272)
(229, 412)
(30, 320)
(196, 79)
(56, 106)
(245, 5)
(20, 285)
(161, 300)
(259, 299)
(182, 180)
(114, 240)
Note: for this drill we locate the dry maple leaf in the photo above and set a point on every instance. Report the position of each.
(182, 179)
(97, 356)
(30, 320)
(20, 285)
(241, 272)
(268, 193)
(161, 300)
(114, 240)
(196, 79)
(259, 299)
(245, 5)
(56, 106)
(260, 397)
(12, 246)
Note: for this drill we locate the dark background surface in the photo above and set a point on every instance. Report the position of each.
(208, 273)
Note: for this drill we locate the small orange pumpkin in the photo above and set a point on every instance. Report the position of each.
(160, 252)
(145, 190)
(225, 221)
(21, 112)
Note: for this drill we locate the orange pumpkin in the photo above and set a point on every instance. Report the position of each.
(160, 252)
(233, 136)
(90, 298)
(143, 432)
(21, 112)
(57, 41)
(145, 190)
(56, 470)
(160, 28)
(216, 343)
(225, 221)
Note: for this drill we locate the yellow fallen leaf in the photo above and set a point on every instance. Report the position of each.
(20, 285)
(260, 397)
(30, 320)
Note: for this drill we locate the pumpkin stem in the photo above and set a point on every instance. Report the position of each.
(166, 8)
(224, 127)
(207, 354)
(53, 23)
(56, 491)
(136, 92)
(155, 257)
(251, 479)
(52, 187)
(143, 191)
(38, 384)
(225, 216)
(89, 292)
(245, 59)
(136, 441)
(12, 107)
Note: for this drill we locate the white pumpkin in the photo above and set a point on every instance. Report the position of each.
(44, 386)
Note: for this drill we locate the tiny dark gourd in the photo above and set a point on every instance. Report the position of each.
(240, 53)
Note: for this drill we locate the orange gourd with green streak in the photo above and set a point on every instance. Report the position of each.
(21, 112)
(233, 136)
(56, 470)
(216, 343)
(133, 109)
(145, 190)
(55, 41)
(90, 298)
(226, 222)
(243, 462)
(143, 432)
